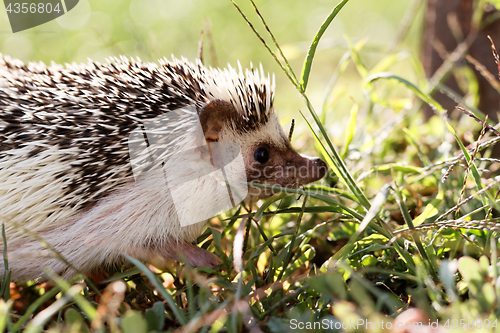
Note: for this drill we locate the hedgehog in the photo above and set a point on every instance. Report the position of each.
(68, 177)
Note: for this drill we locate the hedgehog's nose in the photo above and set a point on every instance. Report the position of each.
(322, 168)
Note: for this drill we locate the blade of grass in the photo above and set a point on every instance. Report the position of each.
(351, 129)
(348, 179)
(285, 70)
(287, 64)
(161, 289)
(473, 168)
(409, 222)
(122, 275)
(292, 241)
(35, 305)
(37, 323)
(390, 76)
(362, 70)
(341, 67)
(82, 303)
(306, 68)
(432, 208)
(6, 276)
(378, 202)
(336, 161)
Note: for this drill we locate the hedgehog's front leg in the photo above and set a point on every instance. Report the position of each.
(193, 254)
(178, 250)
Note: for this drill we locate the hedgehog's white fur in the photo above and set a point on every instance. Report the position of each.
(65, 191)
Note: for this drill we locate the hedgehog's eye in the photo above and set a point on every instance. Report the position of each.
(261, 155)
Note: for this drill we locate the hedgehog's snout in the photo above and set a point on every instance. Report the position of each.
(314, 168)
(320, 166)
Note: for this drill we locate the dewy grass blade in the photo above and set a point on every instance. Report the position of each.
(306, 68)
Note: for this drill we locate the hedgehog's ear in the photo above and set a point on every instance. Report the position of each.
(214, 116)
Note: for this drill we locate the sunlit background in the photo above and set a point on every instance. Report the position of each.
(154, 29)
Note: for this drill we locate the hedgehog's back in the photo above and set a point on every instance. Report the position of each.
(64, 132)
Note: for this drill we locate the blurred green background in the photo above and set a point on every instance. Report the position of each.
(154, 29)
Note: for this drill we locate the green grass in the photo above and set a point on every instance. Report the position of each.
(406, 218)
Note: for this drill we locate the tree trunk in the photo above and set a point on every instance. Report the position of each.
(440, 16)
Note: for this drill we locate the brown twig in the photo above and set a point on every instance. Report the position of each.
(484, 72)
(495, 55)
(463, 202)
(483, 122)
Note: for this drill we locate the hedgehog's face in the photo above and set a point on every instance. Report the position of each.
(270, 160)
(268, 156)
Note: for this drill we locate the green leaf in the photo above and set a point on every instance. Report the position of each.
(155, 317)
(330, 284)
(469, 269)
(76, 322)
(363, 72)
(350, 130)
(369, 260)
(5, 308)
(308, 253)
(432, 208)
(306, 68)
(133, 322)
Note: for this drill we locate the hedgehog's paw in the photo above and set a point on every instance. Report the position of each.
(194, 255)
